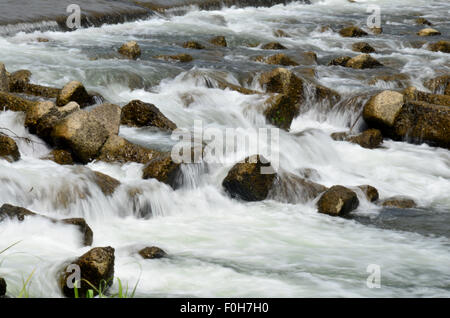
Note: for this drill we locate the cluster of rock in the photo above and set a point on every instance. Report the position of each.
(410, 115)
(253, 179)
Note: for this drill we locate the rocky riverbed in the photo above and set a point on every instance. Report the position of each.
(363, 164)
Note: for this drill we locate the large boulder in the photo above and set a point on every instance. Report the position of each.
(164, 169)
(338, 201)
(352, 31)
(139, 114)
(131, 50)
(363, 61)
(74, 92)
(96, 267)
(43, 116)
(8, 149)
(82, 133)
(440, 46)
(19, 213)
(109, 116)
(283, 81)
(152, 252)
(248, 181)
(18, 80)
(362, 47)
(118, 149)
(14, 103)
(423, 122)
(4, 79)
(281, 110)
(382, 109)
(428, 32)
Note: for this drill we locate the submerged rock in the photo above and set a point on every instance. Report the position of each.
(423, 21)
(164, 169)
(131, 50)
(73, 92)
(352, 31)
(250, 180)
(19, 213)
(340, 61)
(363, 61)
(363, 47)
(86, 231)
(278, 59)
(8, 149)
(152, 252)
(439, 85)
(139, 114)
(273, 46)
(97, 267)
(281, 34)
(338, 201)
(106, 183)
(219, 41)
(440, 46)
(399, 202)
(293, 189)
(370, 192)
(193, 45)
(183, 58)
(370, 138)
(400, 80)
(428, 32)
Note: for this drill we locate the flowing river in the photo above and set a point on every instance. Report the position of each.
(218, 246)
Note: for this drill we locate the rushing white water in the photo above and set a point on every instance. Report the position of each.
(220, 247)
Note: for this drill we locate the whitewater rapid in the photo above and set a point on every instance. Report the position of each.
(220, 247)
